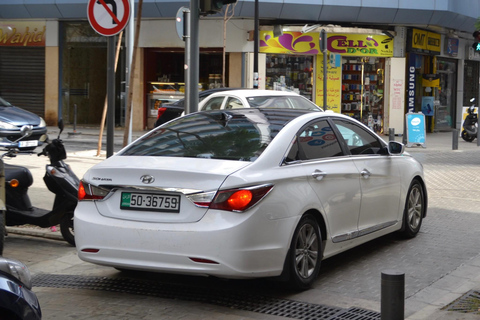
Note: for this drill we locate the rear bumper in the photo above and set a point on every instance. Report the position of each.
(238, 246)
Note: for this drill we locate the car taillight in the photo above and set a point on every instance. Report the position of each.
(160, 112)
(237, 200)
(87, 191)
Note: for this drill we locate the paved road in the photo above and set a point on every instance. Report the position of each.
(441, 264)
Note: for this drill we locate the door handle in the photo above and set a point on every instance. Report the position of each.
(365, 174)
(318, 174)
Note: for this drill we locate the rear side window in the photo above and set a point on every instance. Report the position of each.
(214, 103)
(316, 141)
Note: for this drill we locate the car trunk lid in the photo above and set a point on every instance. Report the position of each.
(157, 179)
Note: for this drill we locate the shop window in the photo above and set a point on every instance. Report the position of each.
(290, 72)
(362, 90)
(470, 82)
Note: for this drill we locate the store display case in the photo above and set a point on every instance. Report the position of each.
(362, 90)
(290, 72)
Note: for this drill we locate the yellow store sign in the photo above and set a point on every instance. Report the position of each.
(334, 86)
(290, 43)
(22, 33)
(425, 41)
(360, 45)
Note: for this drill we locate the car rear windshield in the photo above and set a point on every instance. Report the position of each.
(282, 102)
(230, 135)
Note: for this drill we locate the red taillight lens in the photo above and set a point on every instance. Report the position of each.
(89, 192)
(160, 112)
(81, 191)
(239, 199)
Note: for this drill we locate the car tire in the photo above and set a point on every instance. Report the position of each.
(467, 137)
(66, 228)
(414, 210)
(305, 253)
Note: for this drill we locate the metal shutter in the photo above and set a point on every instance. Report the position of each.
(22, 77)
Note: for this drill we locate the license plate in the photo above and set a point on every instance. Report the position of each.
(149, 201)
(28, 143)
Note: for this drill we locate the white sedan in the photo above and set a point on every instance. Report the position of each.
(236, 99)
(247, 193)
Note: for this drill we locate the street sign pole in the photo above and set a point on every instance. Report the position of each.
(110, 95)
(108, 18)
(194, 56)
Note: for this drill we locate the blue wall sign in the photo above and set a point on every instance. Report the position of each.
(411, 83)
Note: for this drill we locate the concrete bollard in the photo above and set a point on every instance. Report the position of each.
(391, 134)
(455, 139)
(392, 295)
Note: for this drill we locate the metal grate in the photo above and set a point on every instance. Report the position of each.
(357, 314)
(468, 303)
(226, 298)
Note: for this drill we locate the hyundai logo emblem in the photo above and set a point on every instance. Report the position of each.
(147, 179)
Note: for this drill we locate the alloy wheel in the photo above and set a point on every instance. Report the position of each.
(306, 251)
(415, 209)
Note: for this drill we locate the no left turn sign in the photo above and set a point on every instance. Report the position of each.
(108, 17)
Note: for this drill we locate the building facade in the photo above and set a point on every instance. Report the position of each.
(383, 58)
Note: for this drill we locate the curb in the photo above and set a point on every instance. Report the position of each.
(42, 233)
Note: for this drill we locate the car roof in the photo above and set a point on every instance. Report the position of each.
(257, 93)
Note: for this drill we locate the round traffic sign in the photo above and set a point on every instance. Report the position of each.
(108, 17)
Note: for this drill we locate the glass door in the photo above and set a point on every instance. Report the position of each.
(446, 94)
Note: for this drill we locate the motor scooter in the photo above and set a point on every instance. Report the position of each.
(59, 179)
(470, 125)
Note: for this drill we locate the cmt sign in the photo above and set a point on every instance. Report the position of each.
(22, 33)
(422, 41)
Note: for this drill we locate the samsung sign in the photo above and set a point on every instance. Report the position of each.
(411, 84)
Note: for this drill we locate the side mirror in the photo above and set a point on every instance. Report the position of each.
(396, 148)
(61, 125)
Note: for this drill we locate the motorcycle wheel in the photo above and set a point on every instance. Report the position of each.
(66, 228)
(467, 137)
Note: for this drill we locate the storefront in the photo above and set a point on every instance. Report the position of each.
(355, 71)
(431, 80)
(22, 64)
(83, 63)
(363, 58)
(165, 75)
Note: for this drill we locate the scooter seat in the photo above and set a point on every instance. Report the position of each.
(22, 174)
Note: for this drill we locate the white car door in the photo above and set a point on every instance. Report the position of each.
(380, 178)
(332, 175)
